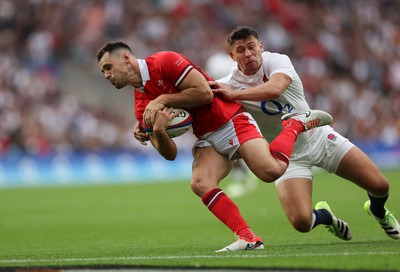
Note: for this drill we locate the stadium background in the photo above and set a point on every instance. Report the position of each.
(61, 122)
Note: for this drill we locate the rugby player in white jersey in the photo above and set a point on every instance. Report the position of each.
(269, 88)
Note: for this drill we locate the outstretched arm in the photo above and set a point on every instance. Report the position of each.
(271, 89)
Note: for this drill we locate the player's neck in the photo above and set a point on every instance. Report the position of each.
(135, 77)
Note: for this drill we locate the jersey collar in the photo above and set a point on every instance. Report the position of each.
(249, 79)
(144, 72)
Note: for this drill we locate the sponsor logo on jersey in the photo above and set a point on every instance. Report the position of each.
(273, 107)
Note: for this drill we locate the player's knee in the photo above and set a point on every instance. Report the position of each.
(301, 221)
(381, 187)
(196, 187)
(200, 187)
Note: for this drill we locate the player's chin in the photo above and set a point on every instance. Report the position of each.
(118, 86)
(252, 67)
(251, 64)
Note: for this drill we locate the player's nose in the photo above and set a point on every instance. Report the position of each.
(107, 75)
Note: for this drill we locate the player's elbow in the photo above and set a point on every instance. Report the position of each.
(208, 96)
(170, 157)
(167, 148)
(169, 154)
(275, 92)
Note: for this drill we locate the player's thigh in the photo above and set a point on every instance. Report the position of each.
(258, 158)
(210, 167)
(357, 167)
(295, 195)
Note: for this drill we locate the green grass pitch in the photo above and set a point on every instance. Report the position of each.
(165, 224)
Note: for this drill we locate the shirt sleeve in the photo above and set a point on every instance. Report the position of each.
(278, 63)
(174, 67)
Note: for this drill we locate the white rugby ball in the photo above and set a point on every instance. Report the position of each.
(178, 125)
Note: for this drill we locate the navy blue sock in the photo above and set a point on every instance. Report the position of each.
(322, 217)
(378, 205)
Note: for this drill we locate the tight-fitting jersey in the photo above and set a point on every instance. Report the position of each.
(267, 113)
(162, 73)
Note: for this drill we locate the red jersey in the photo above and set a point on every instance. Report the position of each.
(164, 72)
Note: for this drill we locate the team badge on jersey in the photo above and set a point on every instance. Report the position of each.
(332, 137)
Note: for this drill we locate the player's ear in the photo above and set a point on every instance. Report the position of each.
(125, 57)
(232, 55)
(261, 46)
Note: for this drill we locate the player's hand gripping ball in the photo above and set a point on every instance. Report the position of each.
(179, 124)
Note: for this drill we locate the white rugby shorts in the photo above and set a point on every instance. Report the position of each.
(227, 139)
(325, 149)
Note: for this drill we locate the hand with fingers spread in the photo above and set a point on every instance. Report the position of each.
(163, 119)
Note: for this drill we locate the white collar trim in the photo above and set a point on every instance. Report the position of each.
(144, 72)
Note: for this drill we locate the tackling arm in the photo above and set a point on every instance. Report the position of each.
(271, 89)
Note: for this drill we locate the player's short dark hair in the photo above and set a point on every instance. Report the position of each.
(241, 33)
(111, 47)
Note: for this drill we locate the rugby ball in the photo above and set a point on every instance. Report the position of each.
(178, 125)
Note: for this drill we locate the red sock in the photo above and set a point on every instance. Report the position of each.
(282, 146)
(227, 211)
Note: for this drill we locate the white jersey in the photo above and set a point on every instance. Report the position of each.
(267, 113)
(322, 146)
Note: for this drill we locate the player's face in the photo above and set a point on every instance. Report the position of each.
(114, 69)
(247, 54)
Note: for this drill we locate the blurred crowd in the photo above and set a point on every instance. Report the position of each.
(346, 52)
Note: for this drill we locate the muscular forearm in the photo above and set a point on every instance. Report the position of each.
(194, 91)
(164, 144)
(271, 89)
(258, 93)
(187, 98)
